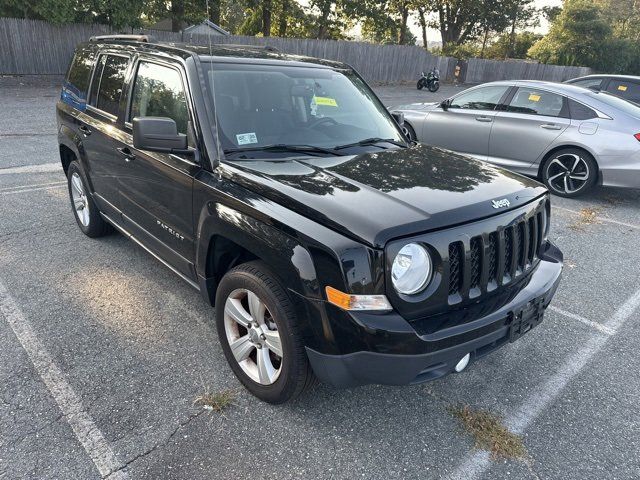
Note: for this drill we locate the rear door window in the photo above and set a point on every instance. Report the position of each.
(108, 82)
(158, 92)
(538, 102)
(629, 90)
(483, 98)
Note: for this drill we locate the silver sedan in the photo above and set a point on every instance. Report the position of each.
(568, 136)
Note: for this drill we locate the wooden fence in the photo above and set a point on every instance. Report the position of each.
(32, 47)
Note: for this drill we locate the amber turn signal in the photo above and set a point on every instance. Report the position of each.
(347, 301)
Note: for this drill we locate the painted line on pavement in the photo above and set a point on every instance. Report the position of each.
(476, 463)
(598, 217)
(83, 426)
(598, 326)
(43, 168)
(26, 189)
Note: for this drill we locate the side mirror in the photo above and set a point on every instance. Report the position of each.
(399, 117)
(158, 134)
(445, 104)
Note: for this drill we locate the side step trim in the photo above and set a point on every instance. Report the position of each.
(138, 242)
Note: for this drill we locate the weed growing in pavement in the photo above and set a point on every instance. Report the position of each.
(587, 216)
(489, 432)
(217, 402)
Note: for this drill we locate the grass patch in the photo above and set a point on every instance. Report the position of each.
(218, 401)
(587, 216)
(490, 433)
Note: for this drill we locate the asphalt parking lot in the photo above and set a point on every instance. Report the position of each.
(103, 352)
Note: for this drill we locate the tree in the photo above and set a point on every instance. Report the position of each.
(519, 45)
(522, 14)
(578, 36)
(457, 21)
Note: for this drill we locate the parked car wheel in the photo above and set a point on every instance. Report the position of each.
(409, 132)
(570, 172)
(84, 208)
(258, 330)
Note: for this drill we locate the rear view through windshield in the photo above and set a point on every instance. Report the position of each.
(259, 105)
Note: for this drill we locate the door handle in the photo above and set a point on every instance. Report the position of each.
(86, 131)
(126, 153)
(550, 126)
(483, 119)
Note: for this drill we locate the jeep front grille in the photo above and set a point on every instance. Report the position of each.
(494, 258)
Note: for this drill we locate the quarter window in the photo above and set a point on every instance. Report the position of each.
(80, 70)
(484, 98)
(106, 94)
(158, 92)
(580, 111)
(538, 102)
(592, 83)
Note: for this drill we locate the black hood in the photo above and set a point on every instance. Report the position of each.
(377, 196)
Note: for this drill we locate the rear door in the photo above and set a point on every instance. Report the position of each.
(531, 120)
(156, 188)
(101, 128)
(465, 126)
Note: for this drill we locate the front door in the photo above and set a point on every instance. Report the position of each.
(466, 125)
(156, 188)
(531, 121)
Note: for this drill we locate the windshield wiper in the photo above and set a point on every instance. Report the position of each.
(282, 147)
(371, 141)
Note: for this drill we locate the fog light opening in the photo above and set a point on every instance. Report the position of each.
(462, 364)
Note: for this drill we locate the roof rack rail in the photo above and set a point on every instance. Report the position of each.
(129, 38)
(268, 48)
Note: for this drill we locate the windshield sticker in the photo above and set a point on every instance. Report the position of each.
(246, 138)
(534, 98)
(325, 101)
(622, 87)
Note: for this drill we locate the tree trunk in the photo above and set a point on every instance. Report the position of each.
(177, 15)
(512, 34)
(282, 28)
(266, 18)
(423, 26)
(324, 19)
(484, 42)
(404, 15)
(214, 11)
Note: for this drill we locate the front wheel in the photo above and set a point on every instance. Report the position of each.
(259, 333)
(434, 86)
(570, 172)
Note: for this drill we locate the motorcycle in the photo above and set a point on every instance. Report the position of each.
(431, 81)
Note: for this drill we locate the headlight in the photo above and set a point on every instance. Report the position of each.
(411, 269)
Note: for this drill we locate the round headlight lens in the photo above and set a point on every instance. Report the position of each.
(411, 269)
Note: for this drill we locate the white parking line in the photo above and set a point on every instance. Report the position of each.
(599, 218)
(598, 326)
(20, 187)
(44, 168)
(32, 188)
(83, 426)
(476, 463)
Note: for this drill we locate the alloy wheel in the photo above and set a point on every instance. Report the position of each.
(567, 173)
(253, 336)
(80, 200)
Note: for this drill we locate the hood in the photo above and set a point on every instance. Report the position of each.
(375, 197)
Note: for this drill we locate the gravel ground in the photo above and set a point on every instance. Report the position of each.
(103, 352)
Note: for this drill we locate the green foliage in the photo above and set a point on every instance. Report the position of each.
(512, 47)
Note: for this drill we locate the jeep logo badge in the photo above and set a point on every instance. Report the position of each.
(500, 203)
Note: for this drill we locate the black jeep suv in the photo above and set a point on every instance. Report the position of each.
(282, 189)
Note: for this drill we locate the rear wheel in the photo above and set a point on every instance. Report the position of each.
(258, 331)
(84, 208)
(434, 86)
(570, 172)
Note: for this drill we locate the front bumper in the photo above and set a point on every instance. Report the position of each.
(383, 338)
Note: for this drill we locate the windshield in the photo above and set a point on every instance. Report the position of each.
(626, 106)
(316, 108)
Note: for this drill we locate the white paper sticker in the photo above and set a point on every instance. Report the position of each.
(246, 138)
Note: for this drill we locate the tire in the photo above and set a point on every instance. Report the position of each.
(434, 86)
(410, 132)
(282, 377)
(84, 208)
(570, 172)
(420, 84)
